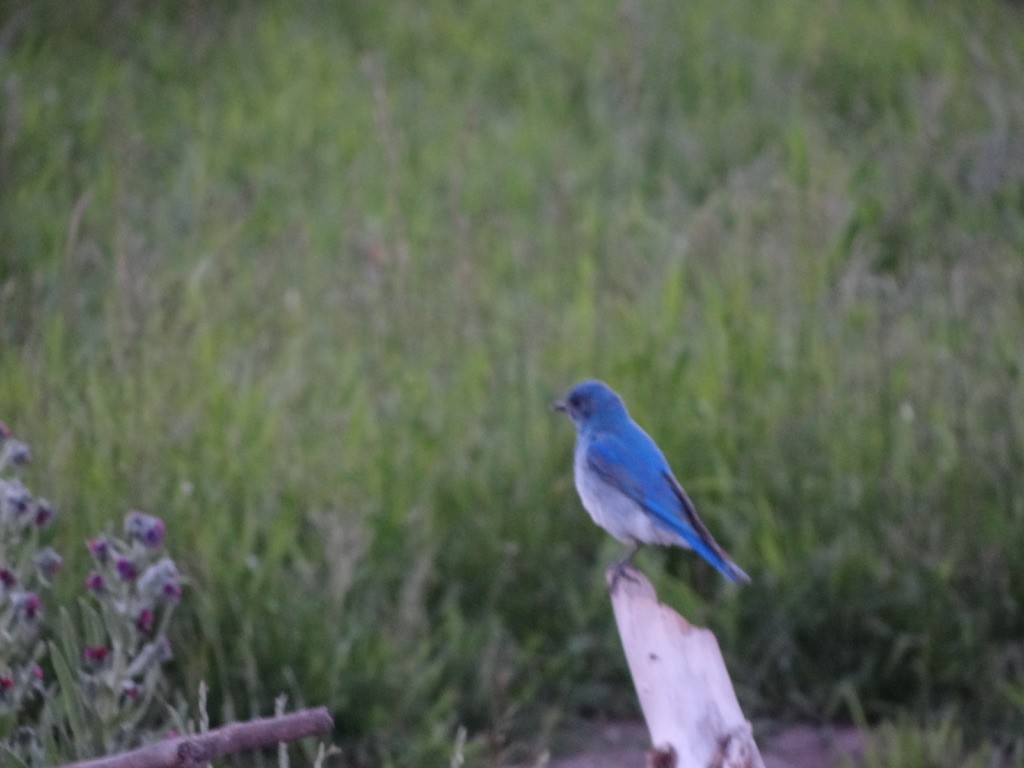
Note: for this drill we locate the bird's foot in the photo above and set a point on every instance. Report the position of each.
(624, 569)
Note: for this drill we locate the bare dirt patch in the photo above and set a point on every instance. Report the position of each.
(625, 745)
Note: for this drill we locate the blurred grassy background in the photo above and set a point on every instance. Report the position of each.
(302, 278)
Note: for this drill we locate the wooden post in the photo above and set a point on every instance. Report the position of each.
(687, 699)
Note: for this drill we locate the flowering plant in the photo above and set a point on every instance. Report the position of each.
(26, 569)
(107, 661)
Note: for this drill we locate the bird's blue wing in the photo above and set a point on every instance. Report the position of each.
(631, 466)
(631, 463)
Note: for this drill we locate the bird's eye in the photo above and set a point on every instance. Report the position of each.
(574, 402)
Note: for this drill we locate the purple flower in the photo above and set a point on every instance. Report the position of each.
(96, 654)
(6, 683)
(172, 592)
(37, 672)
(129, 690)
(145, 620)
(95, 582)
(100, 548)
(17, 453)
(44, 513)
(153, 536)
(145, 528)
(160, 583)
(26, 604)
(7, 578)
(48, 561)
(126, 569)
(16, 497)
(31, 605)
(5, 431)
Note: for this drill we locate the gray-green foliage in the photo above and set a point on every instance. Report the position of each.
(88, 682)
(305, 276)
(939, 745)
(27, 569)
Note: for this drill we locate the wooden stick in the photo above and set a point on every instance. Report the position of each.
(687, 699)
(199, 749)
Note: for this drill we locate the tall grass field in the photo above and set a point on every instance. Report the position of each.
(302, 278)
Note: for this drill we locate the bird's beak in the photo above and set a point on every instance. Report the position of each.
(559, 405)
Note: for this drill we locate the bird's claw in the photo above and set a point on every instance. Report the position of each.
(622, 571)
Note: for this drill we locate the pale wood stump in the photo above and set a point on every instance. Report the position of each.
(685, 693)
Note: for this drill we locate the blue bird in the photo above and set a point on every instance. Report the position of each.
(626, 485)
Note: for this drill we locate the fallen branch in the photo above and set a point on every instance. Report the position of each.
(196, 750)
(687, 699)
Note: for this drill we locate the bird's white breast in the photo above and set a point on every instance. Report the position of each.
(618, 514)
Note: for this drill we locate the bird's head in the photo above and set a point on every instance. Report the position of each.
(590, 401)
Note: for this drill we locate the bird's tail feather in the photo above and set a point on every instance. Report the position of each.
(698, 536)
(719, 560)
(707, 548)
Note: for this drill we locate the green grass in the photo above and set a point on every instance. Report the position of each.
(302, 278)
